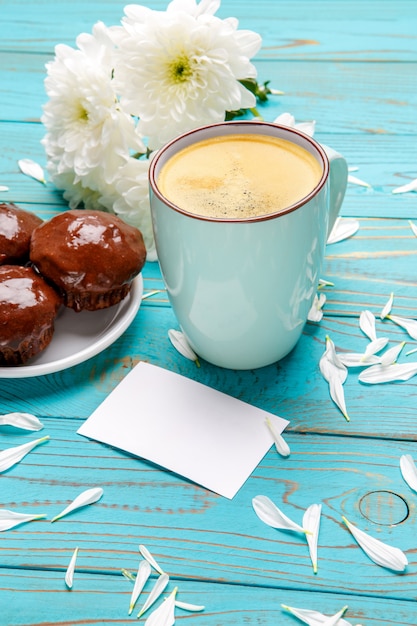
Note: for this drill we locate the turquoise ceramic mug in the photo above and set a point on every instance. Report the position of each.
(241, 286)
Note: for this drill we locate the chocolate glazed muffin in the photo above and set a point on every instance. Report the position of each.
(28, 308)
(16, 226)
(91, 257)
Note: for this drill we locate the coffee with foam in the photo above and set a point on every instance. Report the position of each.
(239, 176)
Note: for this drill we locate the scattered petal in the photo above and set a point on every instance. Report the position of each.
(86, 497)
(409, 471)
(358, 359)
(342, 229)
(186, 606)
(4, 188)
(69, 575)
(164, 615)
(335, 373)
(270, 514)
(149, 294)
(411, 352)
(407, 323)
(324, 283)
(316, 311)
(11, 456)
(148, 556)
(25, 421)
(32, 169)
(367, 324)
(313, 618)
(157, 589)
(375, 346)
(379, 552)
(390, 356)
(357, 181)
(388, 373)
(144, 571)
(387, 307)
(311, 522)
(281, 445)
(9, 519)
(413, 227)
(411, 186)
(180, 343)
(128, 574)
(335, 619)
(353, 168)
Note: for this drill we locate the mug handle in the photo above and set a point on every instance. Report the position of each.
(338, 182)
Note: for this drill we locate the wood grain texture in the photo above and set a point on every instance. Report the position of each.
(351, 66)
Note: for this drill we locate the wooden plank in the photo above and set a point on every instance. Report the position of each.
(195, 534)
(103, 599)
(327, 31)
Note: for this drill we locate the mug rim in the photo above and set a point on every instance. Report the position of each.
(235, 220)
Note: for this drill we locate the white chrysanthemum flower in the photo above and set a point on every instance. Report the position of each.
(180, 69)
(88, 132)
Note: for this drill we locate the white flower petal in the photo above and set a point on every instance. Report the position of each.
(380, 553)
(411, 186)
(69, 574)
(342, 229)
(89, 496)
(335, 619)
(148, 556)
(156, 591)
(316, 313)
(25, 421)
(411, 352)
(313, 618)
(389, 357)
(32, 169)
(413, 227)
(11, 456)
(144, 571)
(375, 346)
(181, 344)
(270, 514)
(324, 283)
(409, 471)
(335, 373)
(10, 519)
(358, 359)
(357, 181)
(4, 188)
(387, 307)
(388, 373)
(281, 445)
(367, 324)
(164, 615)
(311, 522)
(192, 608)
(407, 323)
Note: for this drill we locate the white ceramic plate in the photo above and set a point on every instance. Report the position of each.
(79, 336)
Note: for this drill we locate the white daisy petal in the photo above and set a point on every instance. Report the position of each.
(192, 608)
(411, 186)
(164, 615)
(311, 522)
(367, 324)
(10, 519)
(11, 456)
(409, 471)
(4, 188)
(157, 589)
(89, 496)
(148, 556)
(32, 169)
(380, 553)
(335, 373)
(387, 307)
(271, 515)
(408, 324)
(25, 421)
(314, 618)
(357, 181)
(389, 357)
(316, 311)
(388, 373)
(69, 574)
(342, 229)
(413, 227)
(358, 359)
(375, 346)
(143, 573)
(281, 445)
(181, 344)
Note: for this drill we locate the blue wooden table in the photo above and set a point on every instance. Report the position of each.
(351, 66)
